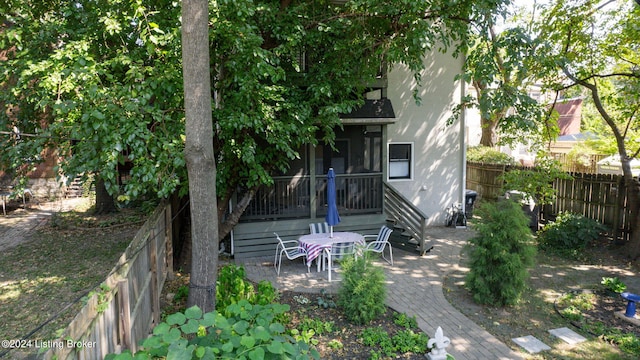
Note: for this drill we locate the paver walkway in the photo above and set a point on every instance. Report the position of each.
(414, 287)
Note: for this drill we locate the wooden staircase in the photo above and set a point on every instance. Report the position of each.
(75, 188)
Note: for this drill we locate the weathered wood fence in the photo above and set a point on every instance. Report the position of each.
(596, 196)
(127, 306)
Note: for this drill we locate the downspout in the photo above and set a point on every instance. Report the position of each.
(463, 145)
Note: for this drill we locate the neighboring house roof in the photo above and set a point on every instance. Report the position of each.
(577, 137)
(570, 112)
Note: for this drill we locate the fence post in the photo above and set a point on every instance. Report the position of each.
(124, 314)
(621, 195)
(153, 262)
(168, 240)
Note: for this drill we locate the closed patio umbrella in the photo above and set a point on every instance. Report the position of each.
(332, 218)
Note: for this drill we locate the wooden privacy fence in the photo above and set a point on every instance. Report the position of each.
(127, 306)
(596, 196)
(485, 179)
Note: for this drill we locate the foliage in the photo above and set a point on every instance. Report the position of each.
(317, 326)
(575, 303)
(181, 293)
(613, 284)
(629, 343)
(362, 292)
(489, 155)
(538, 182)
(581, 154)
(232, 287)
(500, 254)
(402, 342)
(102, 81)
(325, 300)
(405, 321)
(501, 68)
(569, 234)
(593, 46)
(248, 332)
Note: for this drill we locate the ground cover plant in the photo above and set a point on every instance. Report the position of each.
(53, 269)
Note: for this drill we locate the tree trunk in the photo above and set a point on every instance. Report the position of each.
(105, 203)
(488, 137)
(199, 156)
(234, 217)
(633, 201)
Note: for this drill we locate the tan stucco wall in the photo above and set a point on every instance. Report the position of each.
(438, 176)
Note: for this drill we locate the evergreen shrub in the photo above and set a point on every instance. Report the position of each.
(362, 292)
(500, 254)
(569, 234)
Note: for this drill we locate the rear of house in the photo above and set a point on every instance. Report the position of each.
(396, 162)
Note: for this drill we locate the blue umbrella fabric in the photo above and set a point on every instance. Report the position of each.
(332, 218)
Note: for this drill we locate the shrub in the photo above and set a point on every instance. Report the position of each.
(248, 332)
(489, 155)
(362, 292)
(569, 234)
(232, 287)
(500, 254)
(613, 284)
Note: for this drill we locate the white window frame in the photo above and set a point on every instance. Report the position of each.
(390, 161)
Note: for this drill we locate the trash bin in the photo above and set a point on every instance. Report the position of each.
(469, 199)
(529, 206)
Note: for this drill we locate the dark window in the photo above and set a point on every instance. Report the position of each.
(400, 161)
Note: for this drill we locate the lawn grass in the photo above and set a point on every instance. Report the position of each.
(48, 274)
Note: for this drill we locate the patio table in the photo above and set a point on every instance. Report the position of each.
(315, 244)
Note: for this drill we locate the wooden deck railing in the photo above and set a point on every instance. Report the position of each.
(290, 197)
(355, 194)
(407, 216)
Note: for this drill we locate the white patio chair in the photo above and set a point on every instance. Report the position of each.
(338, 251)
(291, 249)
(319, 228)
(381, 241)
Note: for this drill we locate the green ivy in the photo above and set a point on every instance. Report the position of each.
(248, 332)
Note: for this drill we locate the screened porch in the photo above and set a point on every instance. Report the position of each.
(301, 192)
